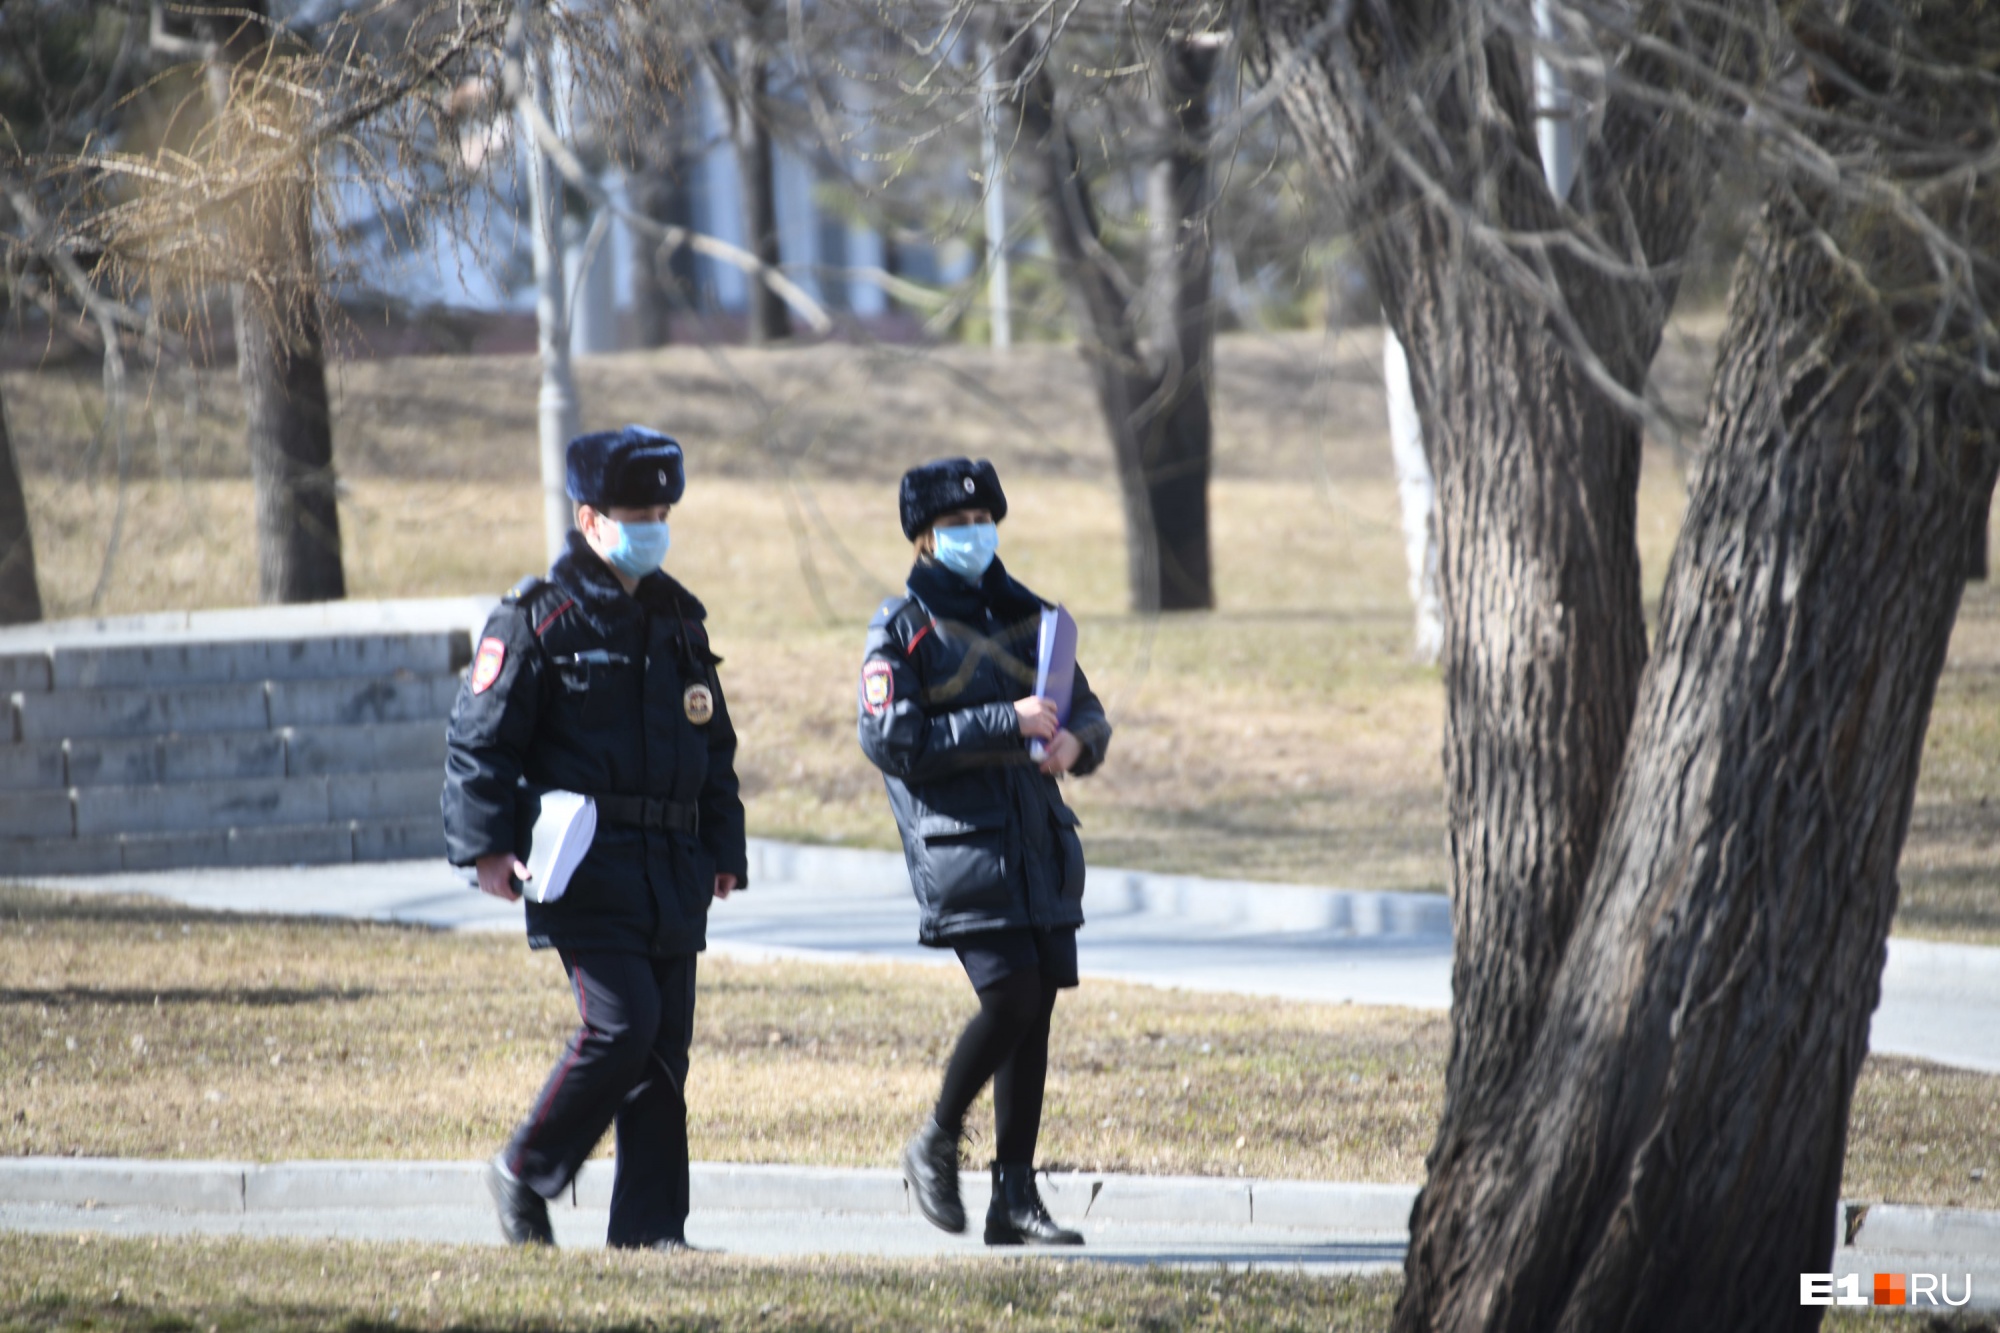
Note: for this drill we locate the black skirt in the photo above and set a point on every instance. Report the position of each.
(991, 956)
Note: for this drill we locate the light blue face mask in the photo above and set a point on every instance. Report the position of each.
(640, 549)
(967, 551)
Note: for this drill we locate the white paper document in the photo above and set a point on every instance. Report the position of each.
(563, 833)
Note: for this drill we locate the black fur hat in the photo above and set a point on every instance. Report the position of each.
(934, 488)
(632, 468)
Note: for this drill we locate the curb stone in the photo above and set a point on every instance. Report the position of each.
(1377, 1211)
(250, 1187)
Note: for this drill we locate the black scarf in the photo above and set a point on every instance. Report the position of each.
(996, 608)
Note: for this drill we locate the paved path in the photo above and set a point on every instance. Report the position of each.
(1940, 1001)
(1321, 1228)
(753, 1210)
(761, 1234)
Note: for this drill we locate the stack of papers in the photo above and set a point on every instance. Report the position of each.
(563, 834)
(1055, 668)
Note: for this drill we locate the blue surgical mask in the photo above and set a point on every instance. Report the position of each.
(639, 550)
(967, 550)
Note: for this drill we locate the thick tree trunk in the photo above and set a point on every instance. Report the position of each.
(20, 594)
(749, 69)
(1178, 452)
(1671, 1153)
(1536, 467)
(280, 344)
(1153, 390)
(282, 366)
(1536, 473)
(1662, 987)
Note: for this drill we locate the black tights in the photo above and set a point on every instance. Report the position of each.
(1008, 1042)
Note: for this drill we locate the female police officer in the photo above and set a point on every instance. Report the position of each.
(600, 680)
(947, 709)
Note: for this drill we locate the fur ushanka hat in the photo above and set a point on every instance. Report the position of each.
(930, 489)
(634, 468)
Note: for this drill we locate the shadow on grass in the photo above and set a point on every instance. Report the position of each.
(264, 997)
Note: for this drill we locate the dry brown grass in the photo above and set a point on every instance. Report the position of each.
(132, 1029)
(1287, 404)
(231, 1286)
(1286, 736)
(135, 1029)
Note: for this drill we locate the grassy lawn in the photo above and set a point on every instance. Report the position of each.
(115, 1285)
(231, 1286)
(135, 1029)
(1284, 736)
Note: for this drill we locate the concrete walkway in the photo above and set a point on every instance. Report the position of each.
(750, 1210)
(1940, 1002)
(1315, 1227)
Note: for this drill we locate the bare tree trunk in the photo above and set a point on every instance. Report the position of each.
(280, 352)
(1674, 1145)
(1536, 473)
(20, 595)
(1668, 951)
(746, 85)
(659, 287)
(1416, 496)
(1153, 391)
(282, 366)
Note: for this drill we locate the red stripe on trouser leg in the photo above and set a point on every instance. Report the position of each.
(569, 1061)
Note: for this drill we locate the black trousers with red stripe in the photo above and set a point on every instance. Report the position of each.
(627, 1066)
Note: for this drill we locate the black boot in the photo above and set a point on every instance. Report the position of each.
(524, 1214)
(930, 1168)
(1016, 1216)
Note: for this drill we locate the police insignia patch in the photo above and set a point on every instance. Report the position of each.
(486, 666)
(878, 686)
(699, 702)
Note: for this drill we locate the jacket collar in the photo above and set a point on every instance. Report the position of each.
(582, 574)
(949, 597)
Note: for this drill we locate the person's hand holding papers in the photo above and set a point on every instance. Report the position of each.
(497, 873)
(1040, 718)
(1063, 750)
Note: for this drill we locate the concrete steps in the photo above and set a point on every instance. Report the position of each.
(120, 751)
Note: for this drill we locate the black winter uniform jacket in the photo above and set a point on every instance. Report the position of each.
(588, 694)
(989, 841)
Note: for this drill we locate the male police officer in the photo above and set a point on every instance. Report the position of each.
(600, 680)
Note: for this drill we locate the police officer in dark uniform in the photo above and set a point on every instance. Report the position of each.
(947, 711)
(600, 680)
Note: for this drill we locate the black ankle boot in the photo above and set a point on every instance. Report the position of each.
(1016, 1216)
(930, 1168)
(524, 1214)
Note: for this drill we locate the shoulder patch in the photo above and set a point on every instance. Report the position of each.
(878, 687)
(486, 665)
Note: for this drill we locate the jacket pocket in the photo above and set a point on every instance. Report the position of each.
(1070, 848)
(604, 694)
(965, 862)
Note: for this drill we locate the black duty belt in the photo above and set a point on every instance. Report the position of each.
(650, 813)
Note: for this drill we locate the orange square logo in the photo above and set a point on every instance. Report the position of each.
(1892, 1289)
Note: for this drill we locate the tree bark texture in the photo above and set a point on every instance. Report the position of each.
(20, 594)
(1150, 348)
(1673, 1148)
(747, 86)
(1421, 120)
(1669, 956)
